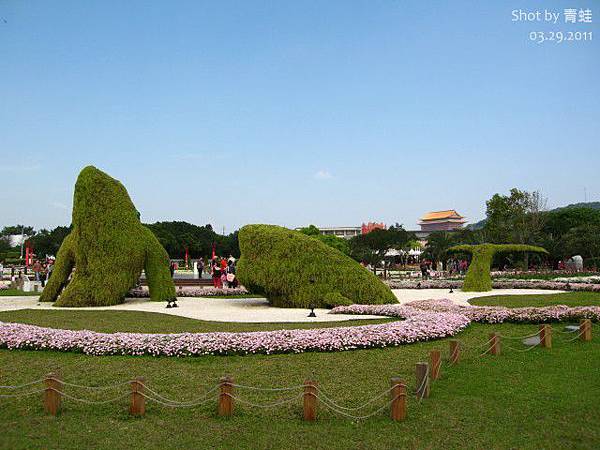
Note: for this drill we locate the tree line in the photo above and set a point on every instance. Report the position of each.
(521, 217)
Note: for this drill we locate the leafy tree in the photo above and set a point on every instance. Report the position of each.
(47, 242)
(177, 236)
(373, 246)
(17, 229)
(336, 242)
(583, 240)
(516, 218)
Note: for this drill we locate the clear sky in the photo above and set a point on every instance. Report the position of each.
(294, 112)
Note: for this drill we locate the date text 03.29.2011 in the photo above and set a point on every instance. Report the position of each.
(559, 36)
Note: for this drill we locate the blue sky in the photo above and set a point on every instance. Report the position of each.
(324, 112)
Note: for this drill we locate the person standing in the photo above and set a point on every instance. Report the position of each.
(37, 269)
(1, 270)
(200, 266)
(216, 273)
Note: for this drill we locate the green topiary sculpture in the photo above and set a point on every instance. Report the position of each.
(478, 278)
(295, 270)
(108, 247)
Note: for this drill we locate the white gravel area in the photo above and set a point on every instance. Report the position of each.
(256, 310)
(459, 297)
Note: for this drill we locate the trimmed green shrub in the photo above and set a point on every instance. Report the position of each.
(478, 278)
(294, 270)
(108, 247)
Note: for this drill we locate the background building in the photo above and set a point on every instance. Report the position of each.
(448, 220)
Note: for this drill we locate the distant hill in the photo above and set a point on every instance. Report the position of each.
(591, 205)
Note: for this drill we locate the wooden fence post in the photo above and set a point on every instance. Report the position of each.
(454, 351)
(225, 405)
(137, 404)
(585, 329)
(495, 344)
(398, 405)
(435, 360)
(422, 372)
(310, 400)
(52, 396)
(546, 336)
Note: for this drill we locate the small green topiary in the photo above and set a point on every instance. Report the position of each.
(108, 248)
(295, 270)
(478, 278)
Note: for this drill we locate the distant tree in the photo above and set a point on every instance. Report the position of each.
(336, 242)
(437, 246)
(17, 229)
(4, 245)
(47, 242)
(583, 240)
(176, 236)
(515, 219)
(373, 246)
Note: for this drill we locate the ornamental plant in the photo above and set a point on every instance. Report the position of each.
(294, 270)
(108, 248)
(478, 277)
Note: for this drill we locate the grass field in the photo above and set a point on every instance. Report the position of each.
(518, 301)
(536, 399)
(15, 292)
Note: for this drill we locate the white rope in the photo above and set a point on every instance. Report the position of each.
(351, 416)
(355, 408)
(256, 388)
(176, 405)
(19, 386)
(90, 402)
(582, 332)
(423, 384)
(177, 402)
(520, 337)
(22, 394)
(263, 405)
(566, 332)
(521, 350)
(95, 388)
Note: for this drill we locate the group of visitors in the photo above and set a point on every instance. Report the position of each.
(42, 271)
(223, 272)
(456, 266)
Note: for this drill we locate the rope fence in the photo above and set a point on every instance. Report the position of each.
(312, 397)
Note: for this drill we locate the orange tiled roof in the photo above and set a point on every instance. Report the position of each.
(437, 215)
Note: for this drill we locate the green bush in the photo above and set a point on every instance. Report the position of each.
(108, 247)
(294, 270)
(589, 263)
(478, 278)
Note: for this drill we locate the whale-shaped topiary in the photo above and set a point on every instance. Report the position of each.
(478, 277)
(108, 247)
(294, 270)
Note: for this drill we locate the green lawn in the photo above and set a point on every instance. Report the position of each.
(518, 301)
(15, 292)
(538, 399)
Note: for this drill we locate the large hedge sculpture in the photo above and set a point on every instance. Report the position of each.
(478, 278)
(292, 269)
(108, 247)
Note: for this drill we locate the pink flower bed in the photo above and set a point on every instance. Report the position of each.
(497, 284)
(418, 326)
(484, 314)
(422, 321)
(142, 292)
